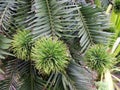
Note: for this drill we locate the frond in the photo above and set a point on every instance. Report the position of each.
(81, 77)
(11, 81)
(21, 75)
(93, 21)
(29, 77)
(7, 9)
(75, 78)
(4, 45)
(54, 18)
(24, 15)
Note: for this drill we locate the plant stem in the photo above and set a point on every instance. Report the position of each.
(109, 80)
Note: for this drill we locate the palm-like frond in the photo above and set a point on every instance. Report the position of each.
(81, 77)
(53, 18)
(76, 78)
(24, 15)
(93, 21)
(21, 75)
(4, 45)
(11, 81)
(7, 9)
(29, 77)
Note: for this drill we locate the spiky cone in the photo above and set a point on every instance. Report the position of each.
(50, 55)
(99, 59)
(21, 44)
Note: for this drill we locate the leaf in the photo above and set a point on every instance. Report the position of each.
(81, 78)
(54, 18)
(11, 81)
(7, 9)
(29, 78)
(92, 21)
(4, 44)
(24, 15)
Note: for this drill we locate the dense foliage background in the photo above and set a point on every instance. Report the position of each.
(59, 44)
